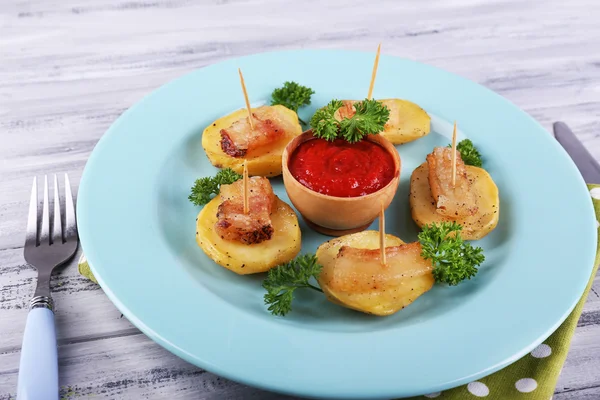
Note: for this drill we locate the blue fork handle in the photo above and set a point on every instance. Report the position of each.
(38, 370)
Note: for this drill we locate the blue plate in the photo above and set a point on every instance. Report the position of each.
(137, 229)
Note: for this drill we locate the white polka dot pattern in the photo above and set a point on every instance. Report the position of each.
(526, 385)
(542, 351)
(478, 389)
(433, 395)
(595, 192)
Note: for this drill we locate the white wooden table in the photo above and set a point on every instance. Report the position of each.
(69, 68)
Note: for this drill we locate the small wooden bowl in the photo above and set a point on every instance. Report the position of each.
(337, 216)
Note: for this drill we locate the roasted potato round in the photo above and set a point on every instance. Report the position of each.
(384, 299)
(407, 121)
(244, 259)
(268, 161)
(475, 227)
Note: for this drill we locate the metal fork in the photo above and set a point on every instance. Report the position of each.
(45, 249)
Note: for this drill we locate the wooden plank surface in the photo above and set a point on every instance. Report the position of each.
(69, 68)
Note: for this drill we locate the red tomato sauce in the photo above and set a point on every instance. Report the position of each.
(342, 169)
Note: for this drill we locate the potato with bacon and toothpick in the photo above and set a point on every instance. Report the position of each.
(472, 200)
(244, 237)
(407, 121)
(258, 135)
(230, 140)
(353, 275)
(354, 272)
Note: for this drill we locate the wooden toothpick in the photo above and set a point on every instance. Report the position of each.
(245, 178)
(382, 234)
(246, 99)
(454, 155)
(374, 73)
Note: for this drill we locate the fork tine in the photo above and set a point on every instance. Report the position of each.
(45, 232)
(56, 227)
(31, 235)
(70, 222)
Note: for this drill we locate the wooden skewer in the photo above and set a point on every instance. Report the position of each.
(374, 73)
(246, 99)
(454, 155)
(382, 234)
(245, 178)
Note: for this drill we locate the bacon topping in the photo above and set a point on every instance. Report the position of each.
(254, 227)
(239, 140)
(360, 270)
(456, 201)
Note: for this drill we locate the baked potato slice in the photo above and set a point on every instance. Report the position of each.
(422, 204)
(388, 295)
(242, 258)
(407, 121)
(268, 161)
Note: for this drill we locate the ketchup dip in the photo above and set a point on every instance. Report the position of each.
(342, 169)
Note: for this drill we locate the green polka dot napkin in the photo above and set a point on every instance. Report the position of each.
(533, 377)
(84, 269)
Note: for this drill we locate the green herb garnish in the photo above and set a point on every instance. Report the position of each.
(369, 119)
(323, 122)
(292, 96)
(283, 280)
(469, 153)
(453, 259)
(205, 187)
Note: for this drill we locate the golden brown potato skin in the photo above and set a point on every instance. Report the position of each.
(423, 210)
(407, 121)
(242, 258)
(384, 299)
(266, 164)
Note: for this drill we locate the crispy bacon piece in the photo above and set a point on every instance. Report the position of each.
(239, 140)
(360, 270)
(456, 201)
(254, 227)
(346, 111)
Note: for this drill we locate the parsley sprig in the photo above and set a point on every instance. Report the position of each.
(283, 280)
(293, 96)
(205, 187)
(370, 118)
(323, 122)
(469, 153)
(453, 259)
